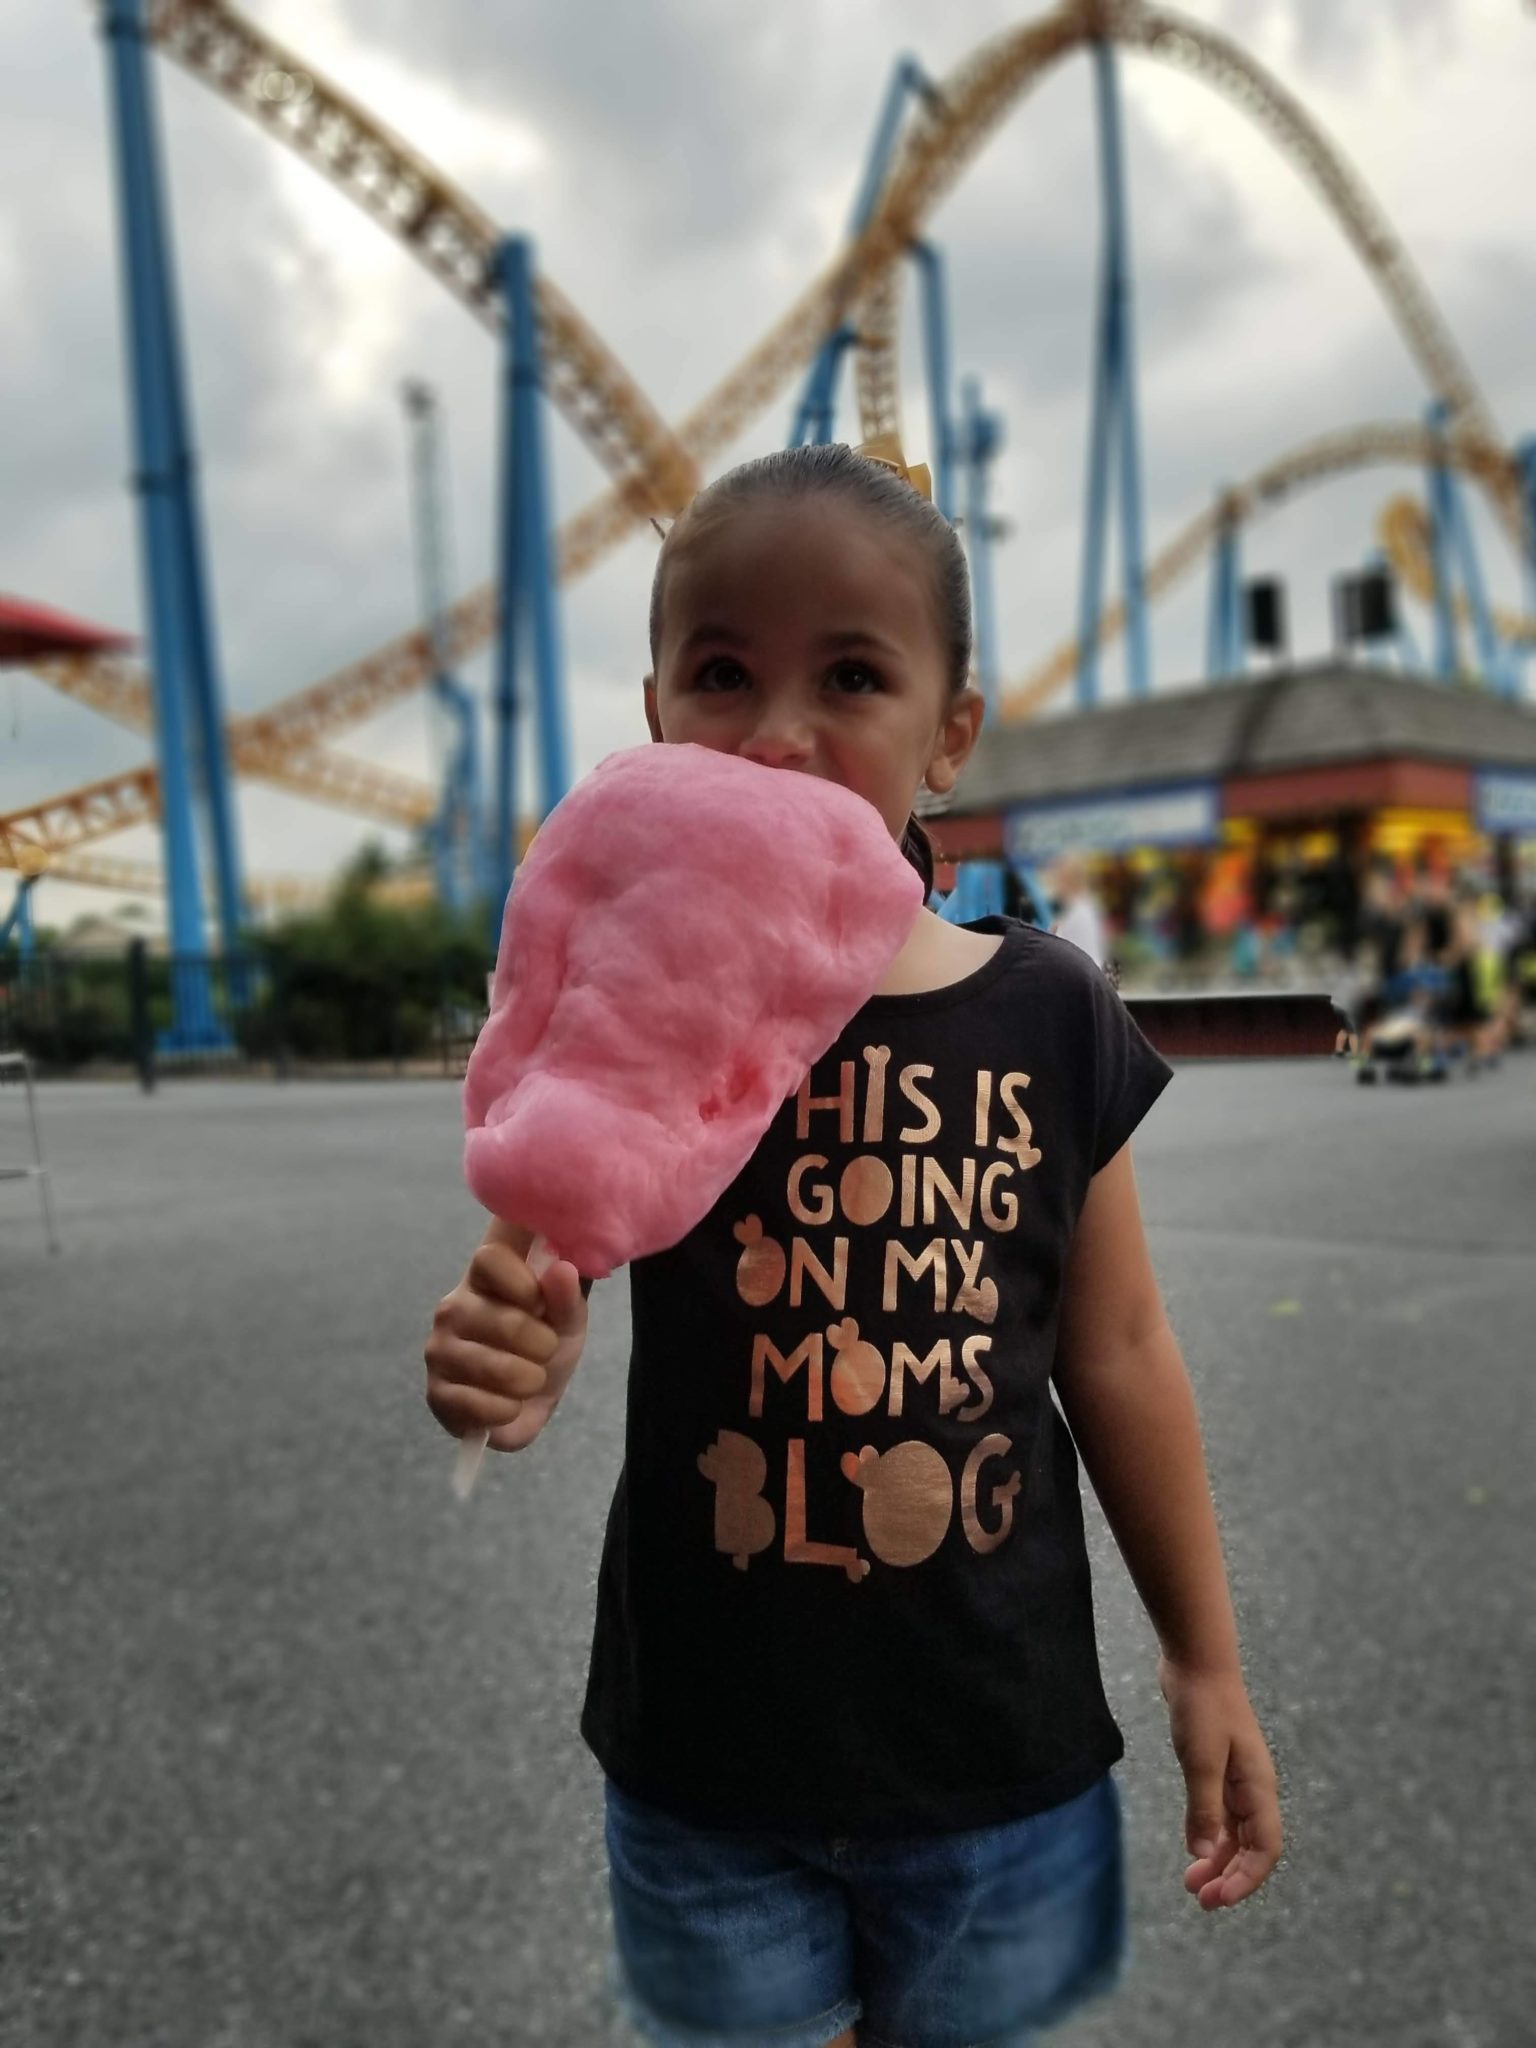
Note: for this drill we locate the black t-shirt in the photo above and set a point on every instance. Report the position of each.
(844, 1584)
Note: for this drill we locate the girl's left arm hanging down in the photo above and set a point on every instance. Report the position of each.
(1124, 1390)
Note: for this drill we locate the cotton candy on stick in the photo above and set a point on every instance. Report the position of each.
(688, 933)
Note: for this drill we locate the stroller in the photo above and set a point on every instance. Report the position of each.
(1403, 1039)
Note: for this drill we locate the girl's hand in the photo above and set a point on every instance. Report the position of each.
(1232, 1815)
(504, 1346)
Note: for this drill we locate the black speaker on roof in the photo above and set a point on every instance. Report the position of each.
(1376, 603)
(1265, 600)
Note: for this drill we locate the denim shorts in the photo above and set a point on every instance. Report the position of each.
(980, 1938)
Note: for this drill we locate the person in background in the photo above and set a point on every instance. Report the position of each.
(1078, 915)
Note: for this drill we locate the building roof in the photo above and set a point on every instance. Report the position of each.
(1283, 718)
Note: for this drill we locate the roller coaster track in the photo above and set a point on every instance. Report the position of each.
(1403, 530)
(1482, 461)
(657, 468)
(455, 240)
(143, 878)
(945, 135)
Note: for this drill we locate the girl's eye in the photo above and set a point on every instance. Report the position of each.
(720, 674)
(856, 678)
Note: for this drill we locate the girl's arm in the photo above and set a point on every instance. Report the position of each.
(1126, 1395)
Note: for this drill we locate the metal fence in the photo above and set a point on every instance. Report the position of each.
(235, 1014)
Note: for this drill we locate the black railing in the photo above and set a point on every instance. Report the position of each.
(235, 1014)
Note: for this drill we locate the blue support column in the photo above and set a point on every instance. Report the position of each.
(930, 270)
(1441, 523)
(1226, 642)
(209, 748)
(527, 580)
(981, 434)
(1096, 509)
(18, 919)
(1138, 653)
(1490, 653)
(458, 831)
(184, 688)
(1525, 456)
(816, 412)
(1403, 643)
(1115, 425)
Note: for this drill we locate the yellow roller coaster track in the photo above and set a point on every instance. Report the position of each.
(1483, 462)
(946, 133)
(658, 468)
(143, 878)
(1403, 530)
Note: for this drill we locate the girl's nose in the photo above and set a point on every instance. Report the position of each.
(778, 743)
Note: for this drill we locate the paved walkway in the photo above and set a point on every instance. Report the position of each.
(289, 1738)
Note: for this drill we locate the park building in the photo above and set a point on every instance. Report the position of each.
(1261, 800)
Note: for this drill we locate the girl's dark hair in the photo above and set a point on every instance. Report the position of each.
(878, 491)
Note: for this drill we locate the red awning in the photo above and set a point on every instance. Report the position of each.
(27, 630)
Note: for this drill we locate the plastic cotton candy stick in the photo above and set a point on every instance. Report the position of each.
(688, 933)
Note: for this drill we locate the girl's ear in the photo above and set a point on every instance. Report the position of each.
(652, 718)
(956, 738)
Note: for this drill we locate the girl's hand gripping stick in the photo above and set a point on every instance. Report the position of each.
(472, 1444)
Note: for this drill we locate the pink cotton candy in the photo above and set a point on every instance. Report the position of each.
(686, 936)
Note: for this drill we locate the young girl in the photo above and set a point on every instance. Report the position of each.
(844, 1683)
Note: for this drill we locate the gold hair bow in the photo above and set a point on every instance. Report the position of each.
(885, 449)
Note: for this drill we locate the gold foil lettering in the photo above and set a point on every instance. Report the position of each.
(933, 1254)
(858, 1371)
(821, 1194)
(908, 1500)
(877, 1058)
(980, 1539)
(974, 1296)
(904, 1361)
(983, 1109)
(998, 1213)
(808, 1353)
(760, 1269)
(744, 1521)
(798, 1549)
(866, 1190)
(1021, 1143)
(925, 1132)
(842, 1102)
(970, 1355)
(803, 1264)
(937, 1182)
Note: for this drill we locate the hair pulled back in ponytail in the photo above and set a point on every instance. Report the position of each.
(834, 469)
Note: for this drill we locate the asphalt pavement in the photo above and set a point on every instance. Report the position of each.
(288, 1737)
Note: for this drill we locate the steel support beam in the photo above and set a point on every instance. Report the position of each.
(458, 830)
(528, 613)
(1114, 429)
(816, 413)
(186, 689)
(1441, 526)
(189, 701)
(18, 919)
(935, 300)
(1525, 455)
(1453, 547)
(1226, 640)
(981, 435)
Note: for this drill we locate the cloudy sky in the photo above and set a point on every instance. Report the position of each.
(686, 168)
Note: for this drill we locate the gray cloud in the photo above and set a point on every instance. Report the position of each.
(698, 164)
(1337, 41)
